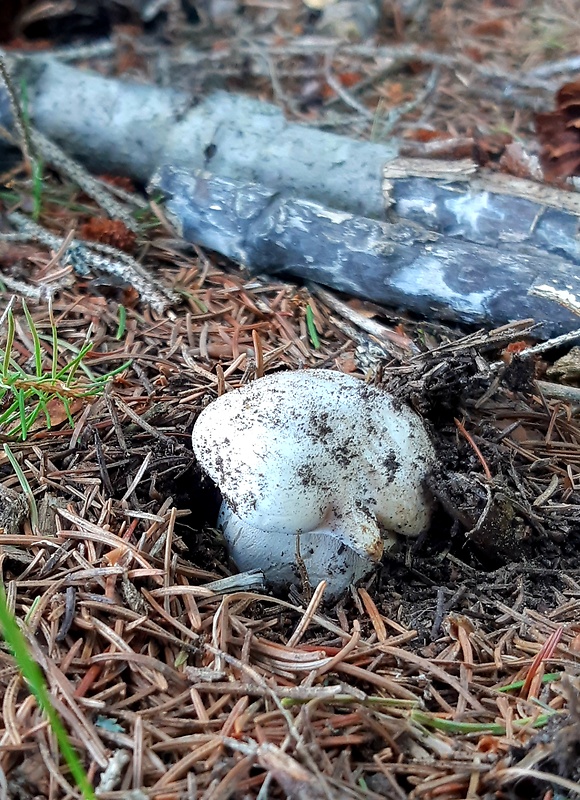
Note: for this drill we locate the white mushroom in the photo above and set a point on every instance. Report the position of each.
(320, 454)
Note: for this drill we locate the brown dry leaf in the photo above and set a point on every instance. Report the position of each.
(491, 27)
(568, 98)
(559, 134)
(57, 413)
(349, 79)
(426, 135)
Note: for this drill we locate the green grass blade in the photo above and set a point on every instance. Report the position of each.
(37, 187)
(54, 337)
(122, 323)
(22, 413)
(16, 373)
(56, 342)
(312, 332)
(66, 403)
(35, 339)
(42, 406)
(35, 162)
(7, 416)
(200, 304)
(32, 674)
(70, 370)
(549, 677)
(101, 380)
(32, 609)
(495, 728)
(9, 344)
(32, 415)
(25, 487)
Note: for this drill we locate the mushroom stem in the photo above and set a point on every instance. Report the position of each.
(356, 529)
(324, 556)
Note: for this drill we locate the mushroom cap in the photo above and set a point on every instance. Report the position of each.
(297, 451)
(324, 556)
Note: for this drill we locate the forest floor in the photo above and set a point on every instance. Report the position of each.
(454, 671)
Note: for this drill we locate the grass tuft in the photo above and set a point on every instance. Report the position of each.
(24, 396)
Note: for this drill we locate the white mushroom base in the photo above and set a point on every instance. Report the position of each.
(325, 557)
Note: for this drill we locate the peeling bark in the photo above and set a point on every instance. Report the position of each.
(401, 264)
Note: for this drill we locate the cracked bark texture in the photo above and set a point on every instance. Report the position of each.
(397, 263)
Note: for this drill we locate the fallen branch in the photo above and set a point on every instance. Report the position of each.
(85, 256)
(398, 263)
(467, 247)
(129, 128)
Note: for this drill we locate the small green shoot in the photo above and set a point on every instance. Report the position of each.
(35, 339)
(25, 396)
(37, 188)
(31, 611)
(312, 332)
(54, 337)
(495, 728)
(200, 304)
(36, 165)
(9, 197)
(25, 486)
(378, 118)
(190, 296)
(181, 659)
(146, 217)
(549, 677)
(122, 323)
(32, 674)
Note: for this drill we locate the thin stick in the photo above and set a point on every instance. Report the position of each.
(476, 450)
(17, 111)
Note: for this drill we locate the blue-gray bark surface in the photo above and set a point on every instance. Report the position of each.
(400, 264)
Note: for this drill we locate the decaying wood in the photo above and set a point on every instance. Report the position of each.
(284, 197)
(400, 263)
(484, 207)
(118, 126)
